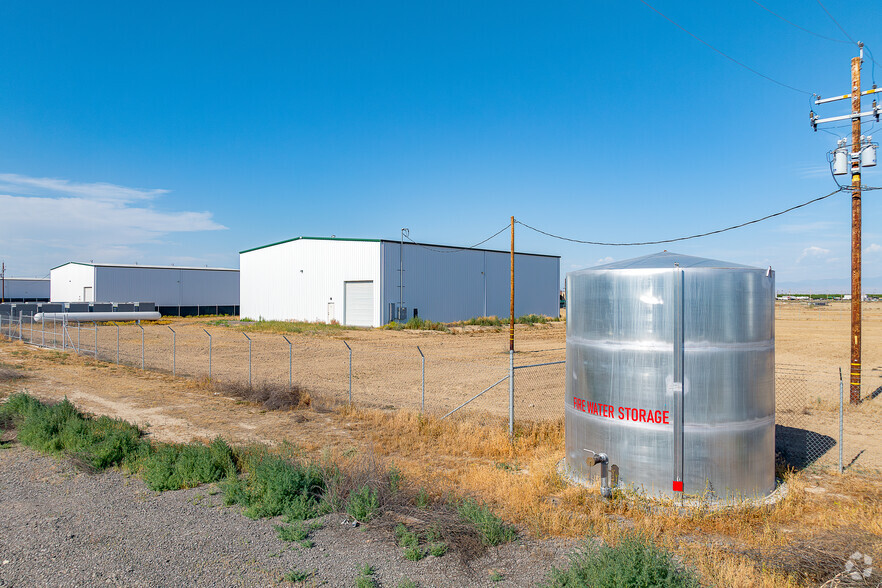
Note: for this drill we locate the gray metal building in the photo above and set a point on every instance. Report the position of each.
(24, 290)
(369, 282)
(175, 290)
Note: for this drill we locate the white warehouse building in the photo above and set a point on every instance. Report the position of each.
(175, 290)
(364, 282)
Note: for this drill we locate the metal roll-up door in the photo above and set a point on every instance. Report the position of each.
(358, 304)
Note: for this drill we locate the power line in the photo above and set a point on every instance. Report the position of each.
(836, 22)
(458, 249)
(767, 9)
(729, 57)
(738, 226)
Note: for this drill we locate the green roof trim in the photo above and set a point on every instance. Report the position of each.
(72, 263)
(310, 239)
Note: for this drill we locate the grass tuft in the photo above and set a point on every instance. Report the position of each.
(492, 529)
(363, 504)
(634, 561)
(277, 486)
(417, 323)
(60, 428)
(172, 467)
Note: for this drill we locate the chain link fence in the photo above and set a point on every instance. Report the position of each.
(434, 375)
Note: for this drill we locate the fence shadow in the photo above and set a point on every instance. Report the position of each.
(801, 448)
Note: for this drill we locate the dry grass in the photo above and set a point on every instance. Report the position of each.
(727, 547)
(9, 373)
(271, 396)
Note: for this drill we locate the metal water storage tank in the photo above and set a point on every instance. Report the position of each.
(670, 373)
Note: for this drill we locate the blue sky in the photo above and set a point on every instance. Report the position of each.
(185, 132)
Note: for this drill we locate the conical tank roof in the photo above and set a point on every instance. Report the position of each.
(668, 259)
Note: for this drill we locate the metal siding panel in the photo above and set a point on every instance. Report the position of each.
(452, 285)
(166, 286)
(26, 288)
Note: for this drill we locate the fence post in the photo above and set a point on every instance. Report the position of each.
(209, 354)
(115, 324)
(95, 324)
(20, 329)
(142, 343)
(511, 393)
(290, 363)
(43, 331)
(78, 336)
(840, 420)
(249, 357)
(350, 371)
(174, 351)
(423, 394)
(63, 333)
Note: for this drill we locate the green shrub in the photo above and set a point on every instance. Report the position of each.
(363, 504)
(406, 583)
(634, 561)
(292, 532)
(437, 549)
(492, 529)
(277, 486)
(484, 321)
(414, 553)
(422, 499)
(60, 428)
(417, 323)
(405, 537)
(295, 576)
(530, 319)
(171, 467)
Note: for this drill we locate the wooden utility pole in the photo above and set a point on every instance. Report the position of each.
(511, 298)
(858, 146)
(855, 396)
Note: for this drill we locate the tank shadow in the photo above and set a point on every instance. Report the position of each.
(800, 448)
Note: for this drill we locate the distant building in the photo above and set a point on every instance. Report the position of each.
(370, 282)
(24, 290)
(182, 291)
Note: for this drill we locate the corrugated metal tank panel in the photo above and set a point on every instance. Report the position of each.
(620, 353)
(456, 284)
(67, 282)
(166, 286)
(25, 288)
(297, 280)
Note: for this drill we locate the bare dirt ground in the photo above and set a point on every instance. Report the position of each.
(812, 342)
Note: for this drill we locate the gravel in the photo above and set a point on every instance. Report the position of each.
(63, 527)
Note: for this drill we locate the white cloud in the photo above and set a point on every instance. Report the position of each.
(604, 260)
(813, 252)
(49, 221)
(873, 248)
(17, 184)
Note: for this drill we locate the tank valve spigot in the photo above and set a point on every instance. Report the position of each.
(600, 458)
